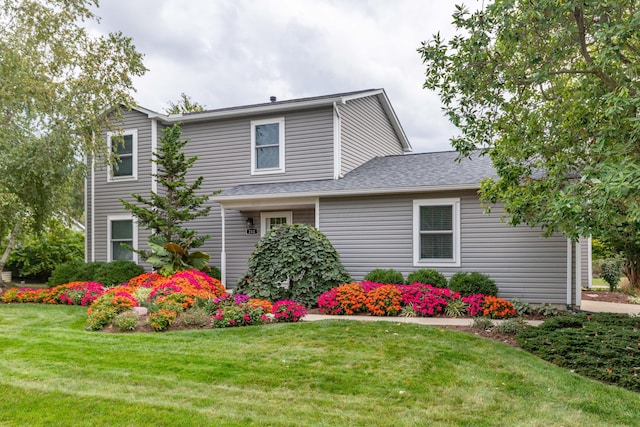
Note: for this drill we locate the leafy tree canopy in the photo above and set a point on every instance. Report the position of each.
(550, 90)
(57, 82)
(184, 105)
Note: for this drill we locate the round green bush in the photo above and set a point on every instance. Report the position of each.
(387, 277)
(293, 262)
(117, 272)
(65, 273)
(473, 283)
(428, 277)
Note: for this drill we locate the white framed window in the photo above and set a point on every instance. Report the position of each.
(269, 220)
(125, 145)
(436, 232)
(121, 229)
(267, 146)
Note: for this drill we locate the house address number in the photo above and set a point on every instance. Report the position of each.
(252, 231)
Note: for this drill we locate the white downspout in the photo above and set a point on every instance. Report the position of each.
(318, 213)
(568, 272)
(578, 274)
(93, 208)
(590, 262)
(223, 252)
(86, 209)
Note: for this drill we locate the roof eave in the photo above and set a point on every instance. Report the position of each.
(340, 193)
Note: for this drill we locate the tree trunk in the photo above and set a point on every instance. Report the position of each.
(632, 271)
(13, 237)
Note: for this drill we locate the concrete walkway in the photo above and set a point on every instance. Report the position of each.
(593, 306)
(610, 307)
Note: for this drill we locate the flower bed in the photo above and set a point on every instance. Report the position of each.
(417, 299)
(187, 297)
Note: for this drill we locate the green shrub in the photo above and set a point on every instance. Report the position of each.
(36, 256)
(611, 272)
(387, 277)
(293, 262)
(117, 272)
(429, 277)
(603, 346)
(456, 308)
(195, 317)
(215, 272)
(126, 321)
(512, 326)
(100, 317)
(546, 310)
(65, 273)
(473, 283)
(483, 323)
(108, 273)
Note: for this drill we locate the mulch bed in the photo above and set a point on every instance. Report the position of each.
(605, 296)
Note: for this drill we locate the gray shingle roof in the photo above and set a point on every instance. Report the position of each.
(409, 172)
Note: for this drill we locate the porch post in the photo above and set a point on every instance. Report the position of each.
(578, 273)
(223, 253)
(569, 272)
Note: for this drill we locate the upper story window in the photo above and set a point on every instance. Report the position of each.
(125, 145)
(436, 232)
(267, 146)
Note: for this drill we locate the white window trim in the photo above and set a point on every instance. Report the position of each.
(417, 261)
(280, 168)
(134, 149)
(266, 216)
(111, 218)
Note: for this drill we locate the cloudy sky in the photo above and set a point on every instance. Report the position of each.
(226, 53)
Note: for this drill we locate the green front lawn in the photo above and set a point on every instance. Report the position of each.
(53, 372)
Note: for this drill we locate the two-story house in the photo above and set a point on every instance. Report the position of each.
(339, 163)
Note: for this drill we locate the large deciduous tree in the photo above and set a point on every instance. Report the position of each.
(57, 82)
(550, 91)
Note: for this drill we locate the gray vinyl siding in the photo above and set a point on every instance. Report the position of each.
(108, 194)
(224, 149)
(365, 133)
(240, 245)
(377, 232)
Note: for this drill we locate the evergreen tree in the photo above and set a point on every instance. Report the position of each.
(177, 203)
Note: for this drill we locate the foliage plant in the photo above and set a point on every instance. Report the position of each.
(427, 276)
(522, 308)
(611, 272)
(295, 262)
(126, 321)
(238, 315)
(549, 91)
(497, 308)
(162, 319)
(384, 301)
(603, 346)
(456, 308)
(168, 211)
(511, 326)
(473, 283)
(483, 323)
(385, 276)
(58, 80)
(195, 317)
(288, 311)
(35, 256)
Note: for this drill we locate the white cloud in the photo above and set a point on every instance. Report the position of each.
(226, 53)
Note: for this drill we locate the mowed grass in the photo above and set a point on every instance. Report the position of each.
(54, 373)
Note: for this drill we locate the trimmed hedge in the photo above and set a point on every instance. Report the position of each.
(473, 283)
(603, 346)
(108, 273)
(386, 277)
(428, 277)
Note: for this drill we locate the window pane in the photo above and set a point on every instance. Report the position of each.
(267, 157)
(118, 252)
(273, 222)
(267, 134)
(436, 246)
(122, 144)
(436, 218)
(122, 230)
(124, 167)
